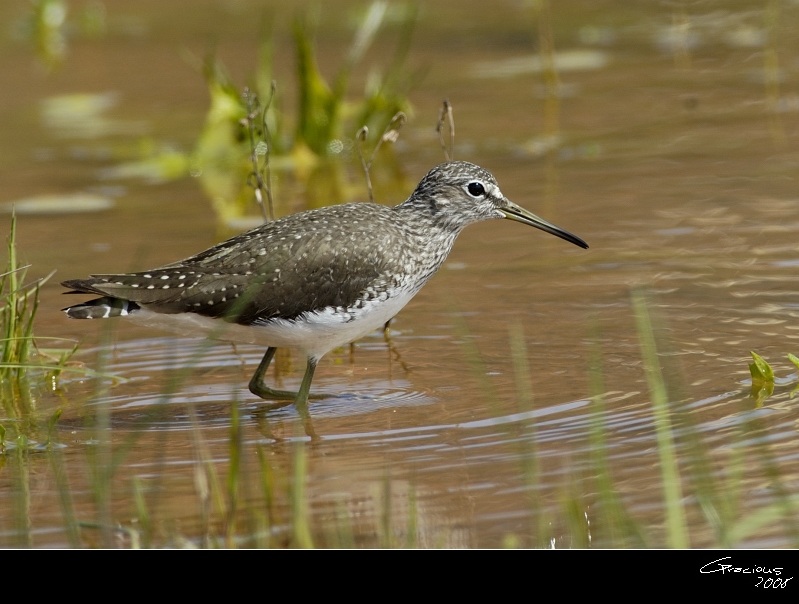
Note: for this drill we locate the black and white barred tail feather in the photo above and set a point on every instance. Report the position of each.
(101, 308)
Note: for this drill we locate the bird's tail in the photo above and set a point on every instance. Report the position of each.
(101, 308)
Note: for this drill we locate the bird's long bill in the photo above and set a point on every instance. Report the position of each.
(519, 214)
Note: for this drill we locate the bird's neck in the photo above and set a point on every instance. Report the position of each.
(430, 217)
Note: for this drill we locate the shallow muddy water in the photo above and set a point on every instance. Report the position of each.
(670, 147)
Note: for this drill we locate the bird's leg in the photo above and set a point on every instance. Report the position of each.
(257, 386)
(260, 389)
(393, 350)
(305, 386)
(300, 398)
(301, 403)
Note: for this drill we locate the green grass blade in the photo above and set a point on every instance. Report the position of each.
(677, 531)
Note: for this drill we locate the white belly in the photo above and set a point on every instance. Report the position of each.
(315, 334)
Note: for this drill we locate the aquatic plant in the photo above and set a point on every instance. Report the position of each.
(26, 369)
(326, 121)
(764, 379)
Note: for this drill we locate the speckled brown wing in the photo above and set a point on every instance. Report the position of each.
(265, 273)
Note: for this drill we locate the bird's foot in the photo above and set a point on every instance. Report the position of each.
(286, 397)
(261, 390)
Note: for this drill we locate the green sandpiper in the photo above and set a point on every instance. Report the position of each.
(315, 280)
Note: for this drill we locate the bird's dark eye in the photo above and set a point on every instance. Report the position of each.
(476, 189)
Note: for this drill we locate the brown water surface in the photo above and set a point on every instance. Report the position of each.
(676, 159)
